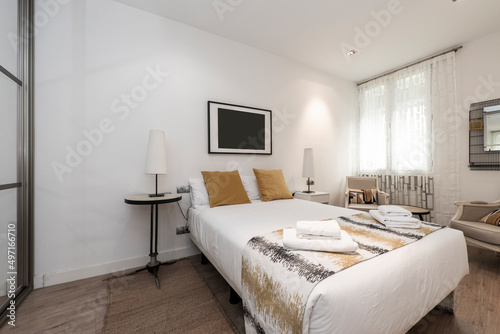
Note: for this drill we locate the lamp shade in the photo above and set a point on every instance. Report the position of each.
(156, 158)
(308, 163)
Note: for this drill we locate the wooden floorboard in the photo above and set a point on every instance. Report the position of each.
(80, 306)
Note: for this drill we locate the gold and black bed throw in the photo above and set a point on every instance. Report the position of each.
(276, 282)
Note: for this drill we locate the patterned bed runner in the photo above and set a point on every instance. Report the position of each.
(276, 282)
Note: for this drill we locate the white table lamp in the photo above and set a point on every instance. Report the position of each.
(308, 168)
(156, 158)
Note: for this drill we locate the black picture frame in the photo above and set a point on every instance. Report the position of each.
(236, 129)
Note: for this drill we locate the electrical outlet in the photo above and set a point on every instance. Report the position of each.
(183, 189)
(182, 230)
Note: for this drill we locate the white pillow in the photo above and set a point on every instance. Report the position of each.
(250, 184)
(199, 194)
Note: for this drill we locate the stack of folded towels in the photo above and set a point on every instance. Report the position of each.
(394, 216)
(324, 236)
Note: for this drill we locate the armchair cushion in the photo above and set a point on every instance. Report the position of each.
(477, 221)
(478, 230)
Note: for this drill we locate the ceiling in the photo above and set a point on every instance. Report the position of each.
(385, 33)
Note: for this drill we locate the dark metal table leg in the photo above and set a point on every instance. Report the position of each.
(153, 265)
(156, 228)
(156, 277)
(151, 231)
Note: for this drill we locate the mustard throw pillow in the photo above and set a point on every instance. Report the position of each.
(492, 218)
(271, 184)
(225, 188)
(370, 196)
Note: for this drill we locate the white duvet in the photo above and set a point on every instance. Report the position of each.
(386, 294)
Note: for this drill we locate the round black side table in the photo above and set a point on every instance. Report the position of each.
(153, 265)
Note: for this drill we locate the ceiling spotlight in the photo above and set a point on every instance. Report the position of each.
(351, 52)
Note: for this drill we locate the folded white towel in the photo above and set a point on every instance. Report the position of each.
(343, 245)
(316, 237)
(393, 210)
(326, 228)
(395, 221)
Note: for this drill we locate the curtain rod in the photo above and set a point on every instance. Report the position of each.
(455, 49)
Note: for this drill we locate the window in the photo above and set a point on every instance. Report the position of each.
(396, 122)
(408, 127)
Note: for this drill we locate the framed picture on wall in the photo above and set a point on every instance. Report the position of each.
(238, 129)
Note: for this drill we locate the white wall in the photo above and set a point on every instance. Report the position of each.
(478, 79)
(90, 57)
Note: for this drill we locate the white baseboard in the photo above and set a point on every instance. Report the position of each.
(38, 282)
(77, 274)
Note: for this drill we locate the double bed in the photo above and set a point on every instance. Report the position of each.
(385, 294)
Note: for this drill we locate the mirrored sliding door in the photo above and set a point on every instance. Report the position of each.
(15, 156)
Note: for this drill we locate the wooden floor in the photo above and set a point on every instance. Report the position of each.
(79, 307)
(75, 307)
(477, 300)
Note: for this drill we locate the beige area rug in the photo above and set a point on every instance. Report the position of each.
(184, 304)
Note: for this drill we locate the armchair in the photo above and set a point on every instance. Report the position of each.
(477, 234)
(356, 185)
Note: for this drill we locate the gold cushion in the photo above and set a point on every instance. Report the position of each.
(225, 188)
(272, 184)
(492, 218)
(370, 196)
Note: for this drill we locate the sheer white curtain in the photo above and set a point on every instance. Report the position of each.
(373, 125)
(408, 126)
(445, 121)
(411, 134)
(395, 122)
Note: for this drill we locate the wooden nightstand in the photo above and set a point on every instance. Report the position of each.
(317, 196)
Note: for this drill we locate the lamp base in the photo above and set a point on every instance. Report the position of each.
(308, 191)
(309, 184)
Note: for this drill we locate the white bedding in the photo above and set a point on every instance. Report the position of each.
(386, 294)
